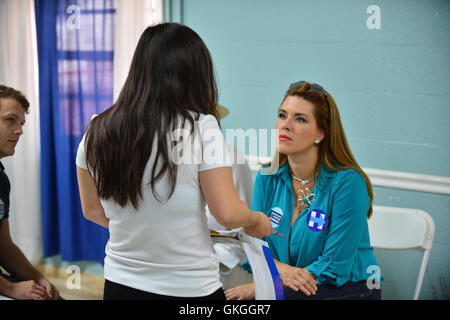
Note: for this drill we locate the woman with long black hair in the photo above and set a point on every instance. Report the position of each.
(148, 184)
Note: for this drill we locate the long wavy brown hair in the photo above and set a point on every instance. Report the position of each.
(334, 150)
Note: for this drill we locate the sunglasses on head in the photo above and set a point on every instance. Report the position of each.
(313, 87)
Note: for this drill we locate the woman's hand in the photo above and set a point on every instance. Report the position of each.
(300, 279)
(241, 292)
(292, 277)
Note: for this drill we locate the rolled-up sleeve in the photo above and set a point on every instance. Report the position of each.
(347, 222)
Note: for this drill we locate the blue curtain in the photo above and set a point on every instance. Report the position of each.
(75, 52)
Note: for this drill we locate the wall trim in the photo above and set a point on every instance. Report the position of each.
(409, 181)
(386, 178)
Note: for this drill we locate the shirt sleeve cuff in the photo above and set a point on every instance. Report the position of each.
(319, 269)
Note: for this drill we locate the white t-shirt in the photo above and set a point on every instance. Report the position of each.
(165, 248)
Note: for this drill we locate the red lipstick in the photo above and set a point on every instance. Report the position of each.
(284, 138)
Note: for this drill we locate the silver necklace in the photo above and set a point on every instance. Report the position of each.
(306, 197)
(303, 182)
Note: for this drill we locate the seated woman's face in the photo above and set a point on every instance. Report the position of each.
(297, 126)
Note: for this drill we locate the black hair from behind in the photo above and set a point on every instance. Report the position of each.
(171, 75)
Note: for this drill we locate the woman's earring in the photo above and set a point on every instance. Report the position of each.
(317, 141)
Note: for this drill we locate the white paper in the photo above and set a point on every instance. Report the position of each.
(265, 275)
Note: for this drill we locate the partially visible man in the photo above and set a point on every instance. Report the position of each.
(24, 281)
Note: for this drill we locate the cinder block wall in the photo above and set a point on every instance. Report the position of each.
(391, 85)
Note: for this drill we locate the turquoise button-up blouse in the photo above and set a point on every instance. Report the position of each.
(331, 237)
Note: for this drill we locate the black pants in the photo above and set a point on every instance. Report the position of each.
(349, 291)
(115, 291)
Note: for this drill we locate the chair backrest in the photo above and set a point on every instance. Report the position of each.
(403, 228)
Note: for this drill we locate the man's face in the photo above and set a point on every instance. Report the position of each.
(12, 118)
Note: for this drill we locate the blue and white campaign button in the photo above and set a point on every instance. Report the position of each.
(275, 216)
(316, 220)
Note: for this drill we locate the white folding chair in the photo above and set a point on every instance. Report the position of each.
(402, 229)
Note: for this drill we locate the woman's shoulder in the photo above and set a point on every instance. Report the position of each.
(349, 173)
(197, 117)
(204, 122)
(202, 117)
(349, 178)
(199, 121)
(268, 177)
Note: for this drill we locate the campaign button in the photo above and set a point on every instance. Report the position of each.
(316, 220)
(275, 216)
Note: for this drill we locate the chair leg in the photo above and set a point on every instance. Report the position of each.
(423, 267)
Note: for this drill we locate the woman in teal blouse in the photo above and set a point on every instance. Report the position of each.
(320, 199)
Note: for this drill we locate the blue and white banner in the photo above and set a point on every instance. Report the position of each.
(268, 285)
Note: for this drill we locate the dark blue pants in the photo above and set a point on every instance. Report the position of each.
(349, 291)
